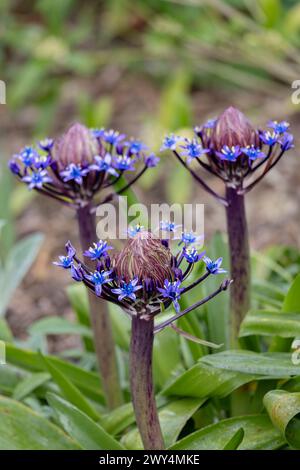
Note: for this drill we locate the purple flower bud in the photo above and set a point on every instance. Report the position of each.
(78, 146)
(232, 129)
(144, 257)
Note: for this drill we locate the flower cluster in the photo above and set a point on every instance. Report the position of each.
(144, 278)
(230, 148)
(75, 167)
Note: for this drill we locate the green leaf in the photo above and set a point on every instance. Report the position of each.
(118, 419)
(18, 261)
(202, 381)
(5, 331)
(58, 326)
(172, 418)
(284, 411)
(23, 429)
(90, 435)
(236, 440)
(29, 384)
(218, 315)
(165, 346)
(270, 323)
(70, 391)
(291, 304)
(87, 382)
(268, 364)
(260, 434)
(10, 376)
(78, 297)
(121, 326)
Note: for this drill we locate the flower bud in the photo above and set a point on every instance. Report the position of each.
(232, 128)
(145, 257)
(78, 145)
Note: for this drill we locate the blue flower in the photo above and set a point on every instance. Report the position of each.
(98, 250)
(287, 142)
(279, 127)
(192, 149)
(171, 290)
(98, 133)
(46, 144)
(104, 164)
(253, 152)
(134, 230)
(28, 156)
(191, 255)
(190, 237)
(37, 179)
(112, 137)
(136, 146)
(229, 154)
(269, 138)
(167, 226)
(210, 123)
(170, 142)
(98, 278)
(127, 290)
(213, 267)
(64, 262)
(42, 162)
(124, 163)
(152, 160)
(14, 167)
(74, 172)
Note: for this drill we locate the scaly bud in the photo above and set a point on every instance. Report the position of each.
(77, 146)
(145, 257)
(232, 128)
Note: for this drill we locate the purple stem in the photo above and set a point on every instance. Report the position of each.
(101, 324)
(141, 382)
(239, 258)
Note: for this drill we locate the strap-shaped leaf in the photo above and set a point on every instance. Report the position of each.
(259, 434)
(284, 410)
(90, 435)
(23, 429)
(271, 323)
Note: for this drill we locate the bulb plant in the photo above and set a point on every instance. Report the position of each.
(143, 279)
(232, 150)
(80, 170)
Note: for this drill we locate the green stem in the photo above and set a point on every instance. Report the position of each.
(100, 320)
(141, 382)
(239, 258)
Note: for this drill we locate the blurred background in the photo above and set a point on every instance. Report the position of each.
(145, 67)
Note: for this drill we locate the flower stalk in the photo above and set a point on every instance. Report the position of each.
(232, 150)
(144, 279)
(100, 319)
(141, 383)
(239, 258)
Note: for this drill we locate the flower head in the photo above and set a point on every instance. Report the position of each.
(98, 279)
(28, 156)
(74, 173)
(192, 149)
(229, 153)
(113, 137)
(37, 179)
(77, 147)
(279, 127)
(144, 278)
(172, 290)
(253, 153)
(135, 146)
(214, 267)
(124, 163)
(189, 238)
(151, 160)
(192, 255)
(269, 138)
(103, 164)
(170, 142)
(127, 290)
(98, 250)
(134, 230)
(167, 226)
